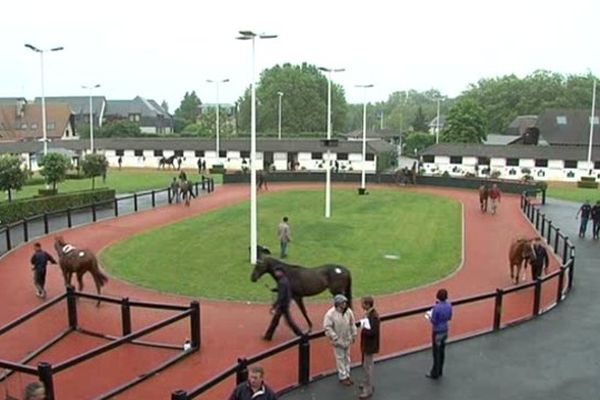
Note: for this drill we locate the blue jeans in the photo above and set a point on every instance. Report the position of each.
(438, 345)
(283, 247)
(583, 226)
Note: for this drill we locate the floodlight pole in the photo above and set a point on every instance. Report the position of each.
(91, 89)
(592, 115)
(218, 120)
(363, 177)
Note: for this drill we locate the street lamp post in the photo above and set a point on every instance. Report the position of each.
(42, 51)
(437, 123)
(592, 116)
(280, 94)
(364, 141)
(91, 89)
(249, 35)
(218, 121)
(328, 161)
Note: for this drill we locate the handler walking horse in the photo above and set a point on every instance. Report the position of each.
(306, 281)
(521, 251)
(78, 261)
(483, 198)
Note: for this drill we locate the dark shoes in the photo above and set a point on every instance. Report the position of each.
(430, 376)
(267, 338)
(347, 382)
(365, 396)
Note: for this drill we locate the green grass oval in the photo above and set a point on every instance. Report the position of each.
(207, 255)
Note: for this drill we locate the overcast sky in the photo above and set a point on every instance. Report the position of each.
(160, 50)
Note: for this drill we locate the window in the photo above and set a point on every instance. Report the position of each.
(455, 160)
(23, 126)
(158, 153)
(561, 120)
(483, 160)
(178, 153)
(570, 163)
(50, 126)
(316, 156)
(245, 154)
(34, 125)
(138, 153)
(342, 156)
(596, 164)
(120, 152)
(540, 162)
(428, 159)
(199, 153)
(512, 162)
(222, 153)
(370, 157)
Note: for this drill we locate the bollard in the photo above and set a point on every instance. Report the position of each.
(46, 229)
(8, 241)
(45, 375)
(116, 207)
(153, 198)
(195, 324)
(94, 216)
(72, 307)
(25, 230)
(179, 395)
(69, 218)
(304, 360)
(125, 316)
(135, 202)
(498, 309)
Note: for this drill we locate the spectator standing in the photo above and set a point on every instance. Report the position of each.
(369, 344)
(175, 193)
(179, 161)
(281, 307)
(120, 161)
(439, 316)
(595, 214)
(494, 194)
(255, 388)
(199, 164)
(39, 261)
(284, 233)
(35, 391)
(340, 328)
(584, 211)
(541, 259)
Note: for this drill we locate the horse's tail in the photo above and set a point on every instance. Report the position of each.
(99, 276)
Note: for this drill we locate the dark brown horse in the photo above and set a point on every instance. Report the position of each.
(78, 261)
(483, 197)
(307, 281)
(520, 252)
(164, 161)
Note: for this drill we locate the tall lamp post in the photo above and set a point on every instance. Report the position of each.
(42, 51)
(280, 94)
(91, 89)
(249, 35)
(364, 141)
(218, 121)
(592, 117)
(327, 164)
(437, 123)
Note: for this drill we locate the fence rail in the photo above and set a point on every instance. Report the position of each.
(557, 241)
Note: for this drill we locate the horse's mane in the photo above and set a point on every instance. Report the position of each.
(274, 263)
(60, 240)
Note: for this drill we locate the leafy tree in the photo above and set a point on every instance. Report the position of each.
(119, 128)
(304, 103)
(417, 141)
(189, 109)
(94, 165)
(465, 124)
(54, 168)
(12, 177)
(420, 124)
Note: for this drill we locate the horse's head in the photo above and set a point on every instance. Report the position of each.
(59, 243)
(262, 267)
(527, 250)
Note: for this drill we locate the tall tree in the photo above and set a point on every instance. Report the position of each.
(420, 124)
(119, 128)
(94, 165)
(12, 176)
(54, 168)
(417, 141)
(465, 123)
(189, 109)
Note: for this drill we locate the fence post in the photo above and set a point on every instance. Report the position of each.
(94, 217)
(571, 268)
(195, 324)
(561, 284)
(543, 227)
(116, 207)
(46, 229)
(304, 360)
(179, 395)
(125, 316)
(69, 218)
(549, 234)
(203, 182)
(544, 196)
(196, 188)
(153, 198)
(72, 307)
(537, 294)
(498, 309)
(556, 241)
(241, 372)
(25, 230)
(565, 250)
(169, 196)
(135, 202)
(537, 219)
(522, 201)
(8, 241)
(45, 375)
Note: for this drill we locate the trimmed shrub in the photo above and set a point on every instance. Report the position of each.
(587, 182)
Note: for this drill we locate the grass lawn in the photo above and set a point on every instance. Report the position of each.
(124, 181)
(570, 191)
(207, 256)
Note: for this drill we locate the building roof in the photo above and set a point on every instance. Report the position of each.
(520, 124)
(494, 138)
(79, 104)
(568, 127)
(25, 123)
(237, 144)
(512, 151)
(139, 105)
(385, 133)
(12, 100)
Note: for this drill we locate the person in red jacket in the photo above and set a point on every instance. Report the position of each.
(494, 195)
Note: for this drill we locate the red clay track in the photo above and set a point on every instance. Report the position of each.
(233, 329)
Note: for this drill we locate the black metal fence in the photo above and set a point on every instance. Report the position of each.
(560, 244)
(16, 233)
(46, 372)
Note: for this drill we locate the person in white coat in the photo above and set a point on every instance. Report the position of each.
(340, 328)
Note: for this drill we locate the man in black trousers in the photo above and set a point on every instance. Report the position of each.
(282, 306)
(541, 259)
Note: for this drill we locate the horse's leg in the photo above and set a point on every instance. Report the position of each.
(98, 285)
(512, 271)
(300, 303)
(80, 280)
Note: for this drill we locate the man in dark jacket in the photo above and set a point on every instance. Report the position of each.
(254, 388)
(540, 260)
(585, 210)
(369, 344)
(282, 306)
(39, 261)
(596, 220)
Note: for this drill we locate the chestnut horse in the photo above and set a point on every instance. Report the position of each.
(78, 261)
(483, 197)
(306, 281)
(520, 252)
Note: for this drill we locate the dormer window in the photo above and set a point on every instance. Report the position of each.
(595, 119)
(561, 119)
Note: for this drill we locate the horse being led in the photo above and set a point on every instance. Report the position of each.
(78, 261)
(521, 251)
(483, 197)
(306, 281)
(166, 161)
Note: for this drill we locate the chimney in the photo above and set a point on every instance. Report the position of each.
(21, 108)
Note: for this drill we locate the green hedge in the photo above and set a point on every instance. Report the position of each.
(587, 184)
(25, 208)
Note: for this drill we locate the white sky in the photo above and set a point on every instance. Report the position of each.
(159, 50)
